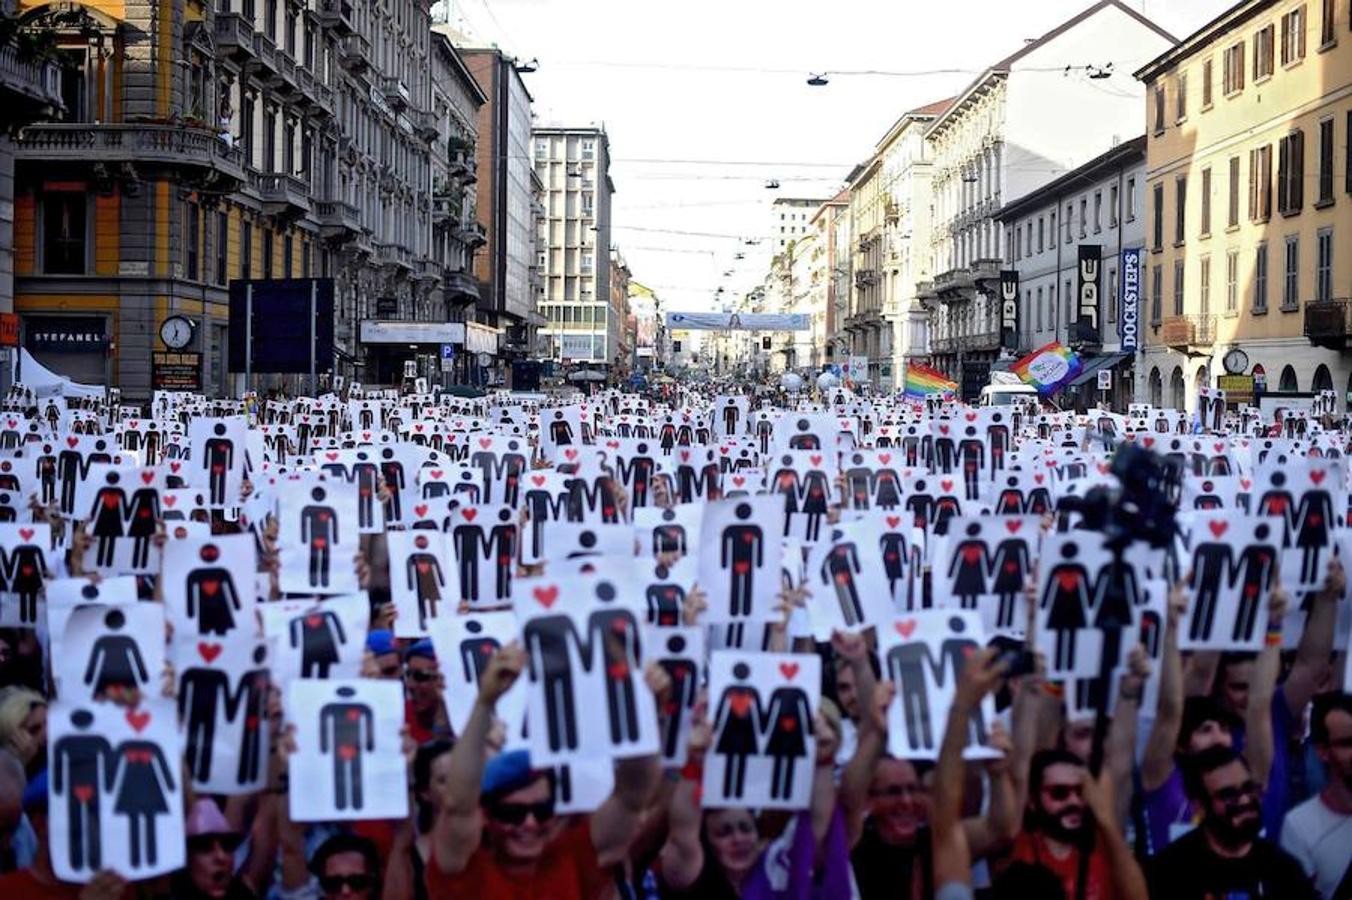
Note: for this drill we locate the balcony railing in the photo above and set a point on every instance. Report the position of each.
(1188, 331)
(395, 92)
(338, 220)
(168, 145)
(265, 53)
(394, 255)
(460, 288)
(39, 80)
(425, 124)
(281, 193)
(354, 53)
(336, 14)
(425, 269)
(285, 80)
(1328, 323)
(235, 35)
(324, 96)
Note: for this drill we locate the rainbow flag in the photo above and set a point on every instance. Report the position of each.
(1048, 368)
(921, 381)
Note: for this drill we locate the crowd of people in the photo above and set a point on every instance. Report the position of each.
(1235, 783)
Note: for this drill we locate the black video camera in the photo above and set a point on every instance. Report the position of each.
(1143, 508)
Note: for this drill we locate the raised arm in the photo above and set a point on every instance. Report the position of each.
(1157, 762)
(458, 829)
(1315, 651)
(615, 824)
(1126, 875)
(1120, 744)
(1259, 741)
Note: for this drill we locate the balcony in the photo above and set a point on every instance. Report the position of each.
(235, 36)
(394, 256)
(865, 278)
(472, 235)
(37, 81)
(324, 97)
(284, 81)
(425, 269)
(1185, 332)
(338, 220)
(944, 345)
(265, 54)
(282, 194)
(395, 93)
(446, 209)
(460, 288)
(1328, 323)
(179, 147)
(981, 341)
(337, 15)
(354, 53)
(425, 124)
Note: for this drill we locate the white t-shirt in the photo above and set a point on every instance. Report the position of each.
(1321, 841)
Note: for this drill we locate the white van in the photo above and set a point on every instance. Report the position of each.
(1007, 394)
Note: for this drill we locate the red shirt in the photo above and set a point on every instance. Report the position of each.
(1032, 848)
(22, 885)
(567, 871)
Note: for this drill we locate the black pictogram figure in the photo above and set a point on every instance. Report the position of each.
(318, 633)
(251, 701)
(741, 552)
(1311, 524)
(319, 532)
(560, 430)
(788, 723)
(201, 694)
(548, 640)
(670, 536)
(425, 578)
(969, 567)
(143, 513)
(392, 471)
(839, 569)
(144, 777)
(684, 674)
(1067, 594)
(476, 651)
(1253, 574)
(107, 517)
(115, 661)
(218, 455)
(78, 761)
(500, 547)
(346, 729)
(664, 600)
(613, 643)
(1213, 567)
(212, 595)
(737, 722)
(1010, 565)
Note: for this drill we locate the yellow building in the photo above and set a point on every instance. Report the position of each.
(1249, 198)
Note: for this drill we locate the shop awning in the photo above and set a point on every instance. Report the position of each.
(1092, 366)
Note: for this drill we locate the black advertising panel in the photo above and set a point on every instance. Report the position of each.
(176, 371)
(1089, 280)
(1009, 309)
(283, 323)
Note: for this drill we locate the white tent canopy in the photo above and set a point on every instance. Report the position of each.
(43, 382)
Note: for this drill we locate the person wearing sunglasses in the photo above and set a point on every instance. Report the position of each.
(424, 711)
(1225, 856)
(497, 832)
(211, 873)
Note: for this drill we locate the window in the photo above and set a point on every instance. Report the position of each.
(1347, 175)
(246, 129)
(1204, 293)
(1069, 304)
(1038, 309)
(1158, 242)
(1112, 206)
(1131, 199)
(1018, 242)
(588, 149)
(269, 141)
(192, 241)
(222, 240)
(1084, 216)
(246, 250)
(1180, 207)
(1327, 26)
(64, 220)
(1156, 293)
(1098, 211)
(1291, 173)
(1181, 100)
(1293, 36)
(1029, 245)
(1325, 163)
(1178, 287)
(1206, 202)
(267, 253)
(1291, 284)
(1208, 76)
(1232, 73)
(287, 246)
(1041, 234)
(1070, 217)
(1260, 278)
(1112, 295)
(1232, 215)
(1263, 53)
(1323, 266)
(1009, 245)
(1231, 281)
(306, 248)
(1159, 107)
(1260, 183)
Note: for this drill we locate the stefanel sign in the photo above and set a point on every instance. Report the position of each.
(1129, 319)
(1090, 265)
(1009, 308)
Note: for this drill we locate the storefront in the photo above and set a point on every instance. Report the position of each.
(77, 347)
(390, 346)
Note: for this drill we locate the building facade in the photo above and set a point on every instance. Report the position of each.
(827, 280)
(1007, 134)
(1249, 192)
(242, 140)
(574, 166)
(1079, 237)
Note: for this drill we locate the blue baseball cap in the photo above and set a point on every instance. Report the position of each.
(507, 772)
(421, 648)
(380, 642)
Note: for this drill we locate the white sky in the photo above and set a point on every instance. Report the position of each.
(660, 76)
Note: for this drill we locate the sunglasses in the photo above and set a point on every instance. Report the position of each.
(205, 843)
(391, 671)
(515, 813)
(1062, 792)
(1232, 795)
(421, 676)
(334, 884)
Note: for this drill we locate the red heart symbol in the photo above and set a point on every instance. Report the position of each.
(1013, 525)
(947, 485)
(740, 703)
(884, 458)
(788, 723)
(893, 521)
(72, 441)
(537, 480)
(613, 445)
(147, 477)
(320, 543)
(1218, 528)
(1245, 483)
(485, 442)
(436, 474)
(332, 457)
(1317, 475)
(1148, 441)
(347, 751)
(1067, 580)
(570, 454)
(738, 480)
(170, 500)
(211, 587)
(546, 596)
(943, 429)
(175, 466)
(469, 514)
(789, 670)
(685, 456)
(209, 652)
(741, 568)
(971, 417)
(1038, 477)
(27, 533)
(420, 510)
(906, 628)
(816, 460)
(83, 792)
(1218, 447)
(138, 720)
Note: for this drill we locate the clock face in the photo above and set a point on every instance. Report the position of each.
(176, 332)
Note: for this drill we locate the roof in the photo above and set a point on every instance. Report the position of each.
(928, 111)
(447, 45)
(1205, 36)
(1003, 67)
(1124, 154)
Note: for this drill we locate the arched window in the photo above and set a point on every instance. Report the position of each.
(1323, 379)
(1178, 398)
(1288, 380)
(1156, 390)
